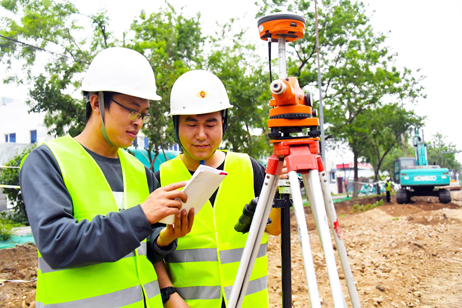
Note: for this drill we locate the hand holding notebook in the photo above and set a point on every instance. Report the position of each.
(199, 189)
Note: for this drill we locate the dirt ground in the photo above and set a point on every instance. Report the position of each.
(401, 256)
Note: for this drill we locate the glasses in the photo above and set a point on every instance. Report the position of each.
(134, 115)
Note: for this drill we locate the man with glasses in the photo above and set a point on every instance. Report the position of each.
(93, 208)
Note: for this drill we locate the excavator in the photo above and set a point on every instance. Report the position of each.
(417, 178)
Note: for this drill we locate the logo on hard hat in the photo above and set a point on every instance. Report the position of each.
(202, 94)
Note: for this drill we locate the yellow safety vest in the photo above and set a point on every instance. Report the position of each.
(124, 283)
(205, 263)
(388, 186)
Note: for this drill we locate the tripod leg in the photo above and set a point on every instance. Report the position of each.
(286, 257)
(304, 240)
(313, 189)
(330, 209)
(257, 228)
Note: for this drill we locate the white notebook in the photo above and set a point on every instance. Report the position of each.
(199, 189)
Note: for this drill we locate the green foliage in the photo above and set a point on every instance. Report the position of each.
(442, 153)
(366, 207)
(402, 150)
(248, 89)
(10, 176)
(380, 130)
(5, 230)
(439, 152)
(173, 45)
(6, 226)
(66, 41)
(358, 72)
(52, 33)
(48, 96)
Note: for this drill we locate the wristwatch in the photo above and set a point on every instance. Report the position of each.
(166, 292)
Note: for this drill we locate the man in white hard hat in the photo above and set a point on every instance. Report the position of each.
(92, 206)
(203, 267)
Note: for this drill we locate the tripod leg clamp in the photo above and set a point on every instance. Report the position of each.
(243, 225)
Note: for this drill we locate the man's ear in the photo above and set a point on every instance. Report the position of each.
(94, 102)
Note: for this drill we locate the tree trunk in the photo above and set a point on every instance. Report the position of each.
(154, 160)
(355, 172)
(376, 180)
(406, 154)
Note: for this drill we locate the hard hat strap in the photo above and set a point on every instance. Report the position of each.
(176, 126)
(224, 114)
(176, 120)
(102, 110)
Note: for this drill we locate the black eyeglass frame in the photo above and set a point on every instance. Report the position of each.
(134, 115)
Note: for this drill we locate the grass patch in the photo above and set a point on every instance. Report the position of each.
(5, 230)
(366, 207)
(6, 226)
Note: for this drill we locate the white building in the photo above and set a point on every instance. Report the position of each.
(19, 126)
(18, 129)
(345, 172)
(331, 170)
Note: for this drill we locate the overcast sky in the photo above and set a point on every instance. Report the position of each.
(425, 34)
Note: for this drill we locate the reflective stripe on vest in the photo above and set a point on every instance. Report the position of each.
(130, 281)
(44, 267)
(205, 263)
(209, 254)
(254, 286)
(120, 298)
(206, 293)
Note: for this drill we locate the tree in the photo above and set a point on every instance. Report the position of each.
(380, 130)
(388, 163)
(357, 68)
(170, 42)
(442, 153)
(58, 35)
(10, 176)
(47, 32)
(173, 45)
(247, 85)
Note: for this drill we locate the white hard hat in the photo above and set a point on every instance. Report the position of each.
(198, 92)
(121, 70)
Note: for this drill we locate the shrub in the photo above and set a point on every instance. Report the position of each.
(10, 176)
(366, 207)
(5, 230)
(5, 227)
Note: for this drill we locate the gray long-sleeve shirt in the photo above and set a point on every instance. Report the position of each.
(64, 242)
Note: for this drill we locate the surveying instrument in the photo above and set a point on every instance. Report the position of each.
(291, 113)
